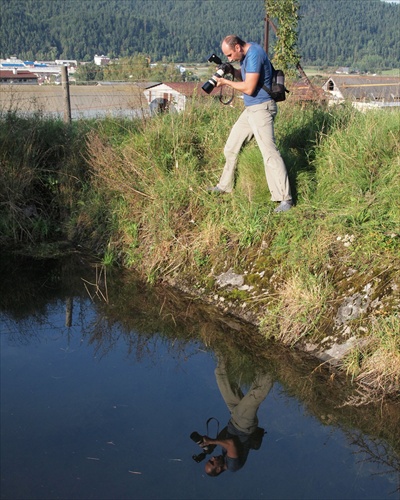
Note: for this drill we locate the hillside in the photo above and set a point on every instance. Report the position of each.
(360, 33)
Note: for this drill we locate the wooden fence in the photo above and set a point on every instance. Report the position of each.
(75, 101)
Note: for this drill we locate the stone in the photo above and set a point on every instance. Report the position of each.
(230, 279)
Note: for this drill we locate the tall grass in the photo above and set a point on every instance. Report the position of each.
(136, 192)
(41, 172)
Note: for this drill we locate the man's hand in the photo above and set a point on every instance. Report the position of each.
(221, 81)
(207, 440)
(228, 444)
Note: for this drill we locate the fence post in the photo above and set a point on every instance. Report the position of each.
(67, 100)
(68, 312)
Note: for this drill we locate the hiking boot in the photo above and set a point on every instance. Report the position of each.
(215, 190)
(284, 206)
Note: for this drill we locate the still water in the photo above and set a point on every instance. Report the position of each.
(103, 381)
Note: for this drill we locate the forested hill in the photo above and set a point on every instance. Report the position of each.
(357, 33)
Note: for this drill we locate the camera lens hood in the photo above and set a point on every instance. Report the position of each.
(208, 87)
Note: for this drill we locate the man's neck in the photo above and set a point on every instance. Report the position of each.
(246, 48)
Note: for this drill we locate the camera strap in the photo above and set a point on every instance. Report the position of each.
(224, 98)
(207, 425)
(226, 94)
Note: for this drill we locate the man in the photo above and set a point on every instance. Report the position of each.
(236, 440)
(257, 120)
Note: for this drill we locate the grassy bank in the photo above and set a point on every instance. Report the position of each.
(324, 274)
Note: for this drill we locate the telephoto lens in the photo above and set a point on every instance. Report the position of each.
(212, 82)
(196, 437)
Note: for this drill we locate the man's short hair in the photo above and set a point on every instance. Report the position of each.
(233, 40)
(215, 472)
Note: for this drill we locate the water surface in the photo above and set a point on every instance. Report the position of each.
(101, 389)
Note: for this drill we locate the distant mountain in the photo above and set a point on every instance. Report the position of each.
(361, 33)
(357, 33)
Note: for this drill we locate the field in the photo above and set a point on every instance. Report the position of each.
(85, 99)
(112, 98)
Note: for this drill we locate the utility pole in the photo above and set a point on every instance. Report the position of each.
(267, 24)
(266, 34)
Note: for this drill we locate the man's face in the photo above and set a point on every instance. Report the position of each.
(214, 464)
(232, 54)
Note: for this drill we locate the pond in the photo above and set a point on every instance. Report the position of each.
(103, 381)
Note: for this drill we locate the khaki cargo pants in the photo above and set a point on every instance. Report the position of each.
(243, 407)
(257, 121)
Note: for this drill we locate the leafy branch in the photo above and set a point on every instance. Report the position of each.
(285, 15)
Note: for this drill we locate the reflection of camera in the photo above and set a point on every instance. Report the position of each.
(207, 449)
(222, 69)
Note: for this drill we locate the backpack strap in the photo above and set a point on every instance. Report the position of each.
(273, 71)
(266, 89)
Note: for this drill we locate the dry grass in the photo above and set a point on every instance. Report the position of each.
(375, 366)
(298, 308)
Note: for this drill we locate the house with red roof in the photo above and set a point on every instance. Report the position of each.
(17, 77)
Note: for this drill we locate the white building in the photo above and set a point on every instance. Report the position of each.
(101, 60)
(173, 96)
(364, 91)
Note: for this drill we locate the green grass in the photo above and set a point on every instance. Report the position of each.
(136, 193)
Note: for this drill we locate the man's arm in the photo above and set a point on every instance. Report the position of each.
(237, 74)
(230, 70)
(248, 86)
(228, 444)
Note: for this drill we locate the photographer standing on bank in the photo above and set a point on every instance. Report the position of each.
(257, 120)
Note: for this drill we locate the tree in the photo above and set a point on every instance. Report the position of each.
(285, 16)
(89, 72)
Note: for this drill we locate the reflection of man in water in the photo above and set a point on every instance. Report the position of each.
(236, 439)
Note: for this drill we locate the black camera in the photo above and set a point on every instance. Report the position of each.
(207, 449)
(222, 69)
(214, 59)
